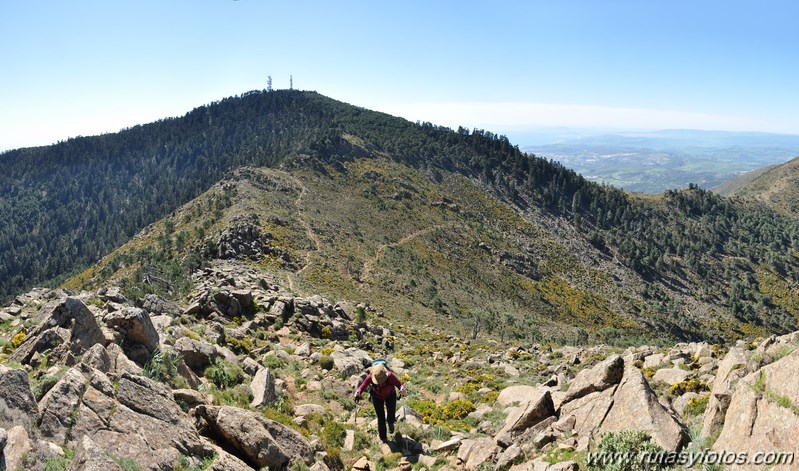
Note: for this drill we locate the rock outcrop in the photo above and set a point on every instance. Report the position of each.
(260, 441)
(763, 413)
(636, 407)
(122, 381)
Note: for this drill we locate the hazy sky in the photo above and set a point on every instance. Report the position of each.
(79, 67)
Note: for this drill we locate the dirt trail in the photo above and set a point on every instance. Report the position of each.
(309, 233)
(369, 264)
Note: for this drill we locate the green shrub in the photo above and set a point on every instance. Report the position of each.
(450, 415)
(41, 387)
(237, 396)
(634, 444)
(241, 347)
(127, 464)
(183, 464)
(59, 463)
(273, 362)
(192, 335)
(326, 362)
(333, 434)
(696, 405)
(333, 459)
(224, 374)
(325, 334)
(161, 367)
(360, 314)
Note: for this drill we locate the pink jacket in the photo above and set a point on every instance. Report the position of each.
(382, 391)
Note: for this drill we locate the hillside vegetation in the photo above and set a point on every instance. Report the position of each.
(775, 186)
(454, 227)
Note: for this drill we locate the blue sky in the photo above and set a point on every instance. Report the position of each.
(85, 67)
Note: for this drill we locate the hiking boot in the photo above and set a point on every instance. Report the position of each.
(391, 428)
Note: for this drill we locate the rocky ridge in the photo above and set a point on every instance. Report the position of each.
(247, 375)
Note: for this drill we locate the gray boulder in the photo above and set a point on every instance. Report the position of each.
(141, 422)
(731, 369)
(763, 413)
(263, 388)
(259, 441)
(636, 407)
(97, 357)
(70, 323)
(17, 448)
(197, 355)
(157, 305)
(518, 393)
(670, 376)
(135, 326)
(588, 412)
(602, 376)
(474, 452)
(90, 457)
(57, 407)
(526, 416)
(351, 361)
(17, 403)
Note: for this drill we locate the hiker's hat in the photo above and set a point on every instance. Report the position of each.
(379, 374)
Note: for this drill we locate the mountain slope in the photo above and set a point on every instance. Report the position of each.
(458, 227)
(442, 249)
(777, 186)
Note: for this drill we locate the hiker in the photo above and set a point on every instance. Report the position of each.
(382, 391)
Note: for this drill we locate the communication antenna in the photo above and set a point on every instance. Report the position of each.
(269, 83)
(291, 82)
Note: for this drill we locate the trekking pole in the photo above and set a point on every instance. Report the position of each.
(355, 412)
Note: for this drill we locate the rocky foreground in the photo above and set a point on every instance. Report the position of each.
(247, 376)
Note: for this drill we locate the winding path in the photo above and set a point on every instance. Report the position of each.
(369, 264)
(308, 233)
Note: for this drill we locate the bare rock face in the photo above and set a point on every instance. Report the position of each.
(527, 416)
(588, 412)
(148, 397)
(140, 422)
(602, 376)
(97, 357)
(636, 407)
(259, 441)
(670, 376)
(157, 305)
(17, 448)
(70, 328)
(474, 452)
(763, 413)
(263, 388)
(196, 354)
(731, 369)
(351, 361)
(90, 457)
(57, 406)
(135, 326)
(17, 404)
(517, 393)
(120, 363)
